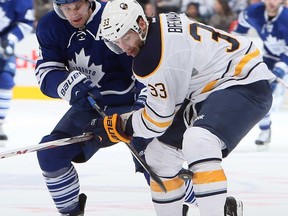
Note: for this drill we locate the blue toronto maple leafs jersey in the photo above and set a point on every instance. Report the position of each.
(16, 19)
(273, 32)
(64, 48)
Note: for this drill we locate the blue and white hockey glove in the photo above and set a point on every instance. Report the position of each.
(6, 48)
(280, 70)
(75, 89)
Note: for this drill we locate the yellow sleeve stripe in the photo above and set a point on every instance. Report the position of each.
(209, 177)
(244, 61)
(171, 185)
(158, 124)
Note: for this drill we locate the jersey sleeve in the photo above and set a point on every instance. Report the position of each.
(167, 87)
(22, 22)
(161, 104)
(50, 69)
(247, 18)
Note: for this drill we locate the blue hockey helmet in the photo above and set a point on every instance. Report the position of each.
(58, 3)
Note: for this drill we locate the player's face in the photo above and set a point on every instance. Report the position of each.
(130, 43)
(77, 13)
(272, 6)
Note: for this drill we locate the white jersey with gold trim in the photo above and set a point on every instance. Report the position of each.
(182, 59)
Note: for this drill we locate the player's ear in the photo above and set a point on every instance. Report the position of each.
(142, 24)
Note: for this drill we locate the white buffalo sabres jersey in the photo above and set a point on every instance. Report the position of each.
(182, 59)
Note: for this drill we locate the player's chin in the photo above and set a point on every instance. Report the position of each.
(77, 24)
(134, 53)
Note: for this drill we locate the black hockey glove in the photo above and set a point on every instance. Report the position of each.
(75, 89)
(108, 130)
(6, 48)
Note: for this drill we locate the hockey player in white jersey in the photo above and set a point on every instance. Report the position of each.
(269, 19)
(224, 79)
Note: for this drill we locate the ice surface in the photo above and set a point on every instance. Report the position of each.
(259, 178)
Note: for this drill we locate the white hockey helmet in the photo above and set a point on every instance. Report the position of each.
(119, 16)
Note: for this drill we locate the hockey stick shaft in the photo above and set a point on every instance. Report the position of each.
(47, 145)
(133, 151)
(282, 82)
(24, 58)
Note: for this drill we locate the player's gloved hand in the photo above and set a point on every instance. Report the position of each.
(6, 48)
(108, 129)
(75, 89)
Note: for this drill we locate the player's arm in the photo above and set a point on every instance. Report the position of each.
(150, 121)
(54, 78)
(21, 27)
(243, 25)
(281, 68)
(25, 19)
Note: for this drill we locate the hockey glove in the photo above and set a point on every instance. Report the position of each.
(108, 130)
(6, 48)
(75, 89)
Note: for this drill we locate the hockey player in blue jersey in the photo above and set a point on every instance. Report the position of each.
(16, 21)
(73, 62)
(269, 19)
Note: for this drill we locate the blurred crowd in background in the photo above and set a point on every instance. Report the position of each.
(221, 14)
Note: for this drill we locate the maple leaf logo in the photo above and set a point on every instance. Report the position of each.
(94, 72)
(274, 45)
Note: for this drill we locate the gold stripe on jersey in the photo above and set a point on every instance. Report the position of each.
(152, 52)
(158, 124)
(238, 69)
(170, 185)
(248, 57)
(209, 86)
(209, 177)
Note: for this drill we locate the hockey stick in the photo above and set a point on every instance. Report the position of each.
(24, 58)
(152, 174)
(282, 82)
(47, 145)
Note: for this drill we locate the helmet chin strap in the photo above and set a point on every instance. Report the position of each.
(143, 34)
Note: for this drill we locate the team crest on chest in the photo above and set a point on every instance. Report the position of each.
(81, 63)
(276, 46)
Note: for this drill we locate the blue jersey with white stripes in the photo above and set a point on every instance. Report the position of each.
(273, 31)
(64, 48)
(17, 18)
